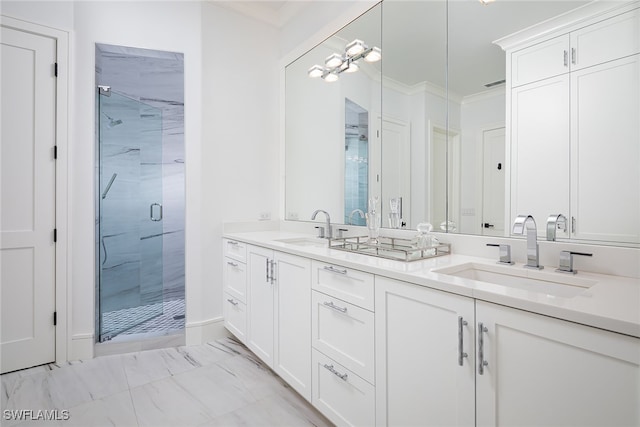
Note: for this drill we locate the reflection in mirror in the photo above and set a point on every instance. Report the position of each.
(319, 112)
(356, 162)
(479, 173)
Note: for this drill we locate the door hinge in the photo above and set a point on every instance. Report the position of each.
(55, 318)
(55, 69)
(55, 235)
(55, 152)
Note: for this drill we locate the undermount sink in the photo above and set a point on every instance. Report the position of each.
(306, 241)
(549, 283)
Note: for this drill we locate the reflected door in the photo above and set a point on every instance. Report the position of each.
(130, 226)
(493, 181)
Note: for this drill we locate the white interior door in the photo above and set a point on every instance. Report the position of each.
(396, 168)
(493, 182)
(27, 197)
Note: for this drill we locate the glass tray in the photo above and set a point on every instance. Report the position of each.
(389, 247)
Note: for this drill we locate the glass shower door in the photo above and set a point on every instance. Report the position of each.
(130, 226)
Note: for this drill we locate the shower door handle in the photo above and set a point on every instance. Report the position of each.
(153, 218)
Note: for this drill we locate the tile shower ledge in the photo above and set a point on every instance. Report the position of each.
(613, 303)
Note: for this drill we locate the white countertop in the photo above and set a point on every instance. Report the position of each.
(612, 303)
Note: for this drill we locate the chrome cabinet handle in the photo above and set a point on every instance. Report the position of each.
(461, 353)
(566, 58)
(267, 272)
(231, 242)
(330, 304)
(573, 55)
(481, 362)
(151, 212)
(331, 369)
(332, 269)
(232, 301)
(273, 267)
(232, 264)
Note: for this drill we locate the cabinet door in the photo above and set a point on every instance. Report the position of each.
(260, 304)
(605, 102)
(540, 150)
(293, 322)
(606, 40)
(420, 377)
(544, 372)
(540, 61)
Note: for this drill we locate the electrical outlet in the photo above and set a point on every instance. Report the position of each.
(264, 216)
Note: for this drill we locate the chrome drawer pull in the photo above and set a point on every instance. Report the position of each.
(332, 269)
(330, 304)
(231, 242)
(481, 362)
(330, 368)
(232, 301)
(232, 264)
(461, 353)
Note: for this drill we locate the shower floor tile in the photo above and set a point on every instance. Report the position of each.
(170, 317)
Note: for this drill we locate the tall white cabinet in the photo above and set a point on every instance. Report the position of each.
(574, 97)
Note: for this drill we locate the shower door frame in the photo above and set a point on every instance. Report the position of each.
(154, 227)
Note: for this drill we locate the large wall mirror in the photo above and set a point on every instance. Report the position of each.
(427, 125)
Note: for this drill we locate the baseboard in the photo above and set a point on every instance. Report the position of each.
(82, 347)
(202, 332)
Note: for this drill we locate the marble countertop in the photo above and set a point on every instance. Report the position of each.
(612, 303)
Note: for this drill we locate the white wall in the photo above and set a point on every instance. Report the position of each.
(240, 155)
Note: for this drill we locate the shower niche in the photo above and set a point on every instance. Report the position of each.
(139, 192)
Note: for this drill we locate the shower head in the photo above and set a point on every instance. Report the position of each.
(112, 122)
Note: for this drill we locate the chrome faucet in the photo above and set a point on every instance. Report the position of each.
(326, 231)
(359, 212)
(555, 222)
(527, 223)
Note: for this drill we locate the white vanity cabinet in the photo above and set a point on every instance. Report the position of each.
(234, 301)
(536, 370)
(343, 344)
(574, 103)
(543, 371)
(422, 374)
(279, 314)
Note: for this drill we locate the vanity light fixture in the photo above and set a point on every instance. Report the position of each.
(335, 63)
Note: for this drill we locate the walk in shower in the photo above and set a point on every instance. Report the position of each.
(139, 192)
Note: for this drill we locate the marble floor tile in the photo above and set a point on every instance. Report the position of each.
(166, 403)
(270, 411)
(218, 383)
(114, 410)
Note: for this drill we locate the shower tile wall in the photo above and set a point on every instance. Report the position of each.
(157, 79)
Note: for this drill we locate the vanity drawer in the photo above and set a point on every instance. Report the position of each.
(235, 250)
(235, 278)
(341, 395)
(344, 332)
(235, 316)
(353, 286)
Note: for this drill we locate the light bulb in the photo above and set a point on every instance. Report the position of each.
(334, 60)
(374, 55)
(352, 67)
(355, 47)
(315, 71)
(331, 77)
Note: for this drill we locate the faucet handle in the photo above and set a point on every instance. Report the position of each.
(320, 231)
(340, 232)
(505, 253)
(566, 261)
